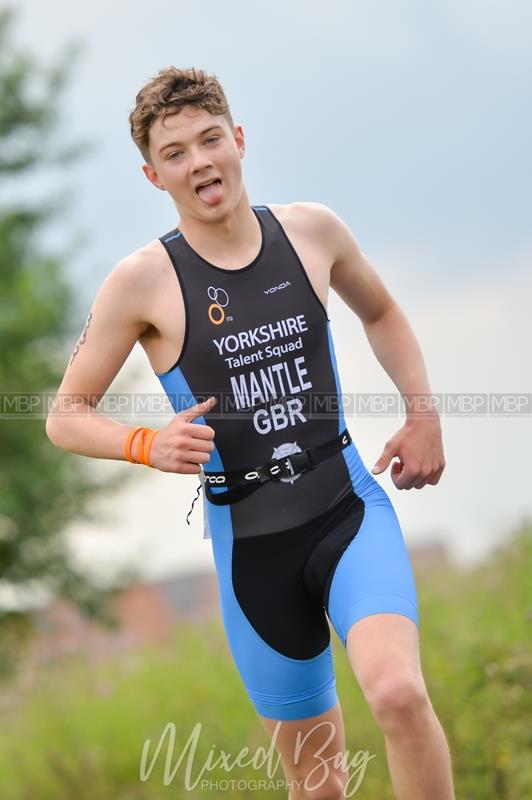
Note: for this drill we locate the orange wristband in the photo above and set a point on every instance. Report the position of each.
(147, 435)
(150, 435)
(129, 441)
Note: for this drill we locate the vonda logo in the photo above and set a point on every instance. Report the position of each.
(273, 289)
(216, 309)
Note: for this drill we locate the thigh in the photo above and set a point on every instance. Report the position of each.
(312, 751)
(277, 633)
(374, 574)
(383, 651)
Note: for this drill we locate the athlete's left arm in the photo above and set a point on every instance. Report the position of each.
(418, 444)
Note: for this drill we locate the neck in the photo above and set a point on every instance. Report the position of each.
(236, 230)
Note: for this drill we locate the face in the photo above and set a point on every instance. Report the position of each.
(192, 148)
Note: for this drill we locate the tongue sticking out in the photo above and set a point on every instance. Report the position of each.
(212, 193)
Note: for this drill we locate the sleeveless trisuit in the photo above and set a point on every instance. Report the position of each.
(323, 543)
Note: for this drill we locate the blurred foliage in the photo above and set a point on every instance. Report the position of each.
(75, 731)
(41, 488)
(28, 121)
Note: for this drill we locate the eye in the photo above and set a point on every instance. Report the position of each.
(212, 139)
(176, 153)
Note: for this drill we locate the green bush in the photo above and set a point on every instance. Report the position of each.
(79, 733)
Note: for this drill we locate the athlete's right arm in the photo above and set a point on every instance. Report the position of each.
(115, 322)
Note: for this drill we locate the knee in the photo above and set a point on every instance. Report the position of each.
(331, 789)
(398, 699)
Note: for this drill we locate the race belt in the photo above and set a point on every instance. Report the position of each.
(240, 483)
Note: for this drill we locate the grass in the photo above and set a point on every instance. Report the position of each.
(78, 733)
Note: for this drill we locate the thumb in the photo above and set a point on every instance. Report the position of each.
(383, 461)
(197, 410)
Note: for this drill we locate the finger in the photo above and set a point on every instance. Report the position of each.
(378, 468)
(200, 445)
(193, 432)
(196, 430)
(403, 483)
(435, 473)
(383, 460)
(188, 469)
(422, 478)
(396, 473)
(198, 457)
(436, 477)
(402, 476)
(188, 438)
(188, 414)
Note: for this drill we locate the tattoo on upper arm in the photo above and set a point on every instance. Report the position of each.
(82, 338)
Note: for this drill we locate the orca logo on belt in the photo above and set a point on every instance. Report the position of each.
(214, 478)
(216, 309)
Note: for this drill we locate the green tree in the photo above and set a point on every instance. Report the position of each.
(41, 488)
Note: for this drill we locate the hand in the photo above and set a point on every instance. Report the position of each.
(183, 445)
(418, 445)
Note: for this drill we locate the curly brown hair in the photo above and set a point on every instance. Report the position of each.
(167, 93)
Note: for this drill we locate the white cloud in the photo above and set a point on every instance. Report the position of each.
(496, 29)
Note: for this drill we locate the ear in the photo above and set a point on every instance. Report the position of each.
(239, 139)
(152, 176)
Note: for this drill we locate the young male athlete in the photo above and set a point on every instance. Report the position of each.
(231, 306)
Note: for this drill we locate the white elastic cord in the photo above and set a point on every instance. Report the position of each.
(198, 490)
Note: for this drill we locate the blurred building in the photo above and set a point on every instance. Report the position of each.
(147, 612)
(429, 555)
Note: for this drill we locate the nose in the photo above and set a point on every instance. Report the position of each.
(199, 160)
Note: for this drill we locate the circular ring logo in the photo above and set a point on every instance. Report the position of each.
(216, 309)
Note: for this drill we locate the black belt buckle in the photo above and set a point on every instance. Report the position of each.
(288, 466)
(302, 461)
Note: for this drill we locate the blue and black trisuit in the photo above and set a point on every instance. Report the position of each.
(323, 542)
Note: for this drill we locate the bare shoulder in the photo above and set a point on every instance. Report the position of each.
(135, 280)
(351, 274)
(317, 223)
(142, 266)
(303, 214)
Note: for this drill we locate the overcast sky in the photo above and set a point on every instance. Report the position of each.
(411, 120)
